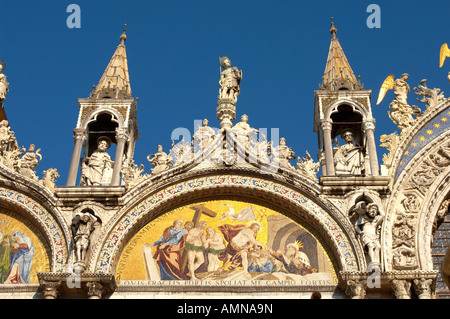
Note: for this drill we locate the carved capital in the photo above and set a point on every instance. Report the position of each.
(50, 289)
(401, 288)
(422, 287)
(122, 135)
(356, 289)
(94, 290)
(326, 125)
(79, 134)
(368, 124)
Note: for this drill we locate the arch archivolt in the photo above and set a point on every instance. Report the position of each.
(317, 215)
(49, 221)
(416, 197)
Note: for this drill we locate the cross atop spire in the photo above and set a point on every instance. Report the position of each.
(115, 82)
(338, 72)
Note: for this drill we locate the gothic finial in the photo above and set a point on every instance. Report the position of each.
(333, 29)
(123, 37)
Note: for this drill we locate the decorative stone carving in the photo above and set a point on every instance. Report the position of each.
(401, 288)
(422, 287)
(403, 236)
(50, 289)
(411, 203)
(26, 165)
(368, 227)
(390, 142)
(94, 290)
(404, 258)
(308, 167)
(4, 85)
(431, 97)
(96, 170)
(160, 161)
(349, 158)
(403, 231)
(49, 179)
(356, 289)
(132, 173)
(82, 228)
(424, 176)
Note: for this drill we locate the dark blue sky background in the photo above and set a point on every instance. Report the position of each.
(173, 48)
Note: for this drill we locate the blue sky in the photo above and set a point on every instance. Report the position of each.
(173, 48)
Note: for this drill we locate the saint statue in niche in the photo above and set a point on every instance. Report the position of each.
(348, 158)
(96, 170)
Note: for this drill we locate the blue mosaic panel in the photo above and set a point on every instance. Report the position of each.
(438, 125)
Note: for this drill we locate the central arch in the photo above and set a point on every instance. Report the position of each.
(330, 226)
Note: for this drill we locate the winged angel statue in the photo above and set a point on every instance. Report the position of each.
(444, 53)
(401, 112)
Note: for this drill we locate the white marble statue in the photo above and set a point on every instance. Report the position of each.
(230, 80)
(4, 85)
(204, 135)
(348, 158)
(285, 154)
(26, 165)
(244, 132)
(82, 228)
(96, 170)
(160, 161)
(367, 228)
(7, 137)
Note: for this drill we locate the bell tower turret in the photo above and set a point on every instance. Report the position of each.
(343, 117)
(107, 118)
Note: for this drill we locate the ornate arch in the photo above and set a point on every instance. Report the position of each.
(49, 221)
(321, 216)
(421, 186)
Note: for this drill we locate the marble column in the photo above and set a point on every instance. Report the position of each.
(121, 139)
(329, 158)
(79, 135)
(369, 129)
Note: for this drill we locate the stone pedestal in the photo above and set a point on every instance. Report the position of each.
(226, 112)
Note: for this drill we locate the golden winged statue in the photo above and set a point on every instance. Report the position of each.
(445, 53)
(388, 84)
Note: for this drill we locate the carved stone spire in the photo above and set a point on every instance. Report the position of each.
(338, 72)
(115, 82)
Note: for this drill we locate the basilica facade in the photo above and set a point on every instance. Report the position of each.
(230, 214)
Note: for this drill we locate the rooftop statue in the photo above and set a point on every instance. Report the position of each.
(160, 161)
(26, 165)
(204, 135)
(4, 85)
(244, 132)
(230, 79)
(401, 112)
(285, 154)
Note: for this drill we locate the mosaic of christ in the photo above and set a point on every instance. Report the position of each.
(224, 240)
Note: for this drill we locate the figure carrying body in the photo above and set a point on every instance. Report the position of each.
(367, 229)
